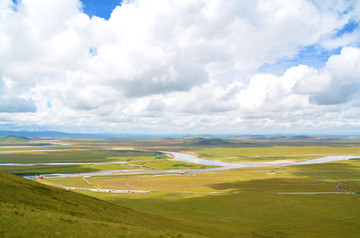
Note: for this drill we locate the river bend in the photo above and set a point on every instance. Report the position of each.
(180, 157)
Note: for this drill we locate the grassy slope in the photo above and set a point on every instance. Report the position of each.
(14, 139)
(30, 209)
(257, 211)
(250, 214)
(200, 141)
(264, 215)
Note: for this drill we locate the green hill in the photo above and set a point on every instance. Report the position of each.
(31, 209)
(202, 141)
(14, 139)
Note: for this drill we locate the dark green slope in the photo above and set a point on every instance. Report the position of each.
(201, 141)
(30, 209)
(14, 139)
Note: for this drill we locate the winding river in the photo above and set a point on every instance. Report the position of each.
(224, 165)
(180, 157)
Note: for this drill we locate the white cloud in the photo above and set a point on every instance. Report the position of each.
(166, 65)
(340, 78)
(10, 102)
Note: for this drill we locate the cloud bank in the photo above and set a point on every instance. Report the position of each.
(168, 66)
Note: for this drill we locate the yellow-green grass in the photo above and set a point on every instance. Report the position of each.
(77, 182)
(165, 164)
(148, 164)
(260, 214)
(30, 148)
(86, 156)
(78, 156)
(283, 179)
(46, 169)
(265, 154)
(30, 209)
(246, 202)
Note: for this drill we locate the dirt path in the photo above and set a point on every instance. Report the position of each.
(104, 190)
(321, 176)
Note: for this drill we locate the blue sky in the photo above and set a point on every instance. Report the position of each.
(167, 66)
(101, 9)
(312, 55)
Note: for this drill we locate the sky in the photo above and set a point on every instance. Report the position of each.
(175, 67)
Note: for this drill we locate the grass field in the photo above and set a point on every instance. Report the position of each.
(270, 179)
(136, 160)
(148, 164)
(46, 169)
(30, 209)
(249, 202)
(78, 156)
(265, 154)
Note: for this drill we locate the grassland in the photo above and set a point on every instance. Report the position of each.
(320, 200)
(30, 209)
(78, 156)
(282, 179)
(14, 140)
(266, 154)
(46, 169)
(53, 169)
(249, 202)
(135, 160)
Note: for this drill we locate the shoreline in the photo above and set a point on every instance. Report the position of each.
(281, 161)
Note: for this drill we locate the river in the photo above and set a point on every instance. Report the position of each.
(184, 158)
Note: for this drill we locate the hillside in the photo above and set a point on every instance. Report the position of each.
(202, 141)
(31, 209)
(14, 139)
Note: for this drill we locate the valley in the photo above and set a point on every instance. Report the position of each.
(255, 191)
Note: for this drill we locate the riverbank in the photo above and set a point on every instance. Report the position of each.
(189, 158)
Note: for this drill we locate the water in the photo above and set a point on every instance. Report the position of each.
(193, 159)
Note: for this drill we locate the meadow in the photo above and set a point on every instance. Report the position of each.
(319, 200)
(78, 156)
(31, 209)
(135, 159)
(249, 202)
(273, 153)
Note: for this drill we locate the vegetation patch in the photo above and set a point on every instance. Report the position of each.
(266, 154)
(202, 141)
(44, 211)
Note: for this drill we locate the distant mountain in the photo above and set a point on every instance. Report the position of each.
(202, 141)
(51, 134)
(14, 139)
(57, 134)
(281, 137)
(300, 137)
(35, 134)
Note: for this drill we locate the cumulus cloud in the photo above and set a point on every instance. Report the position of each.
(10, 102)
(337, 82)
(16, 104)
(170, 64)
